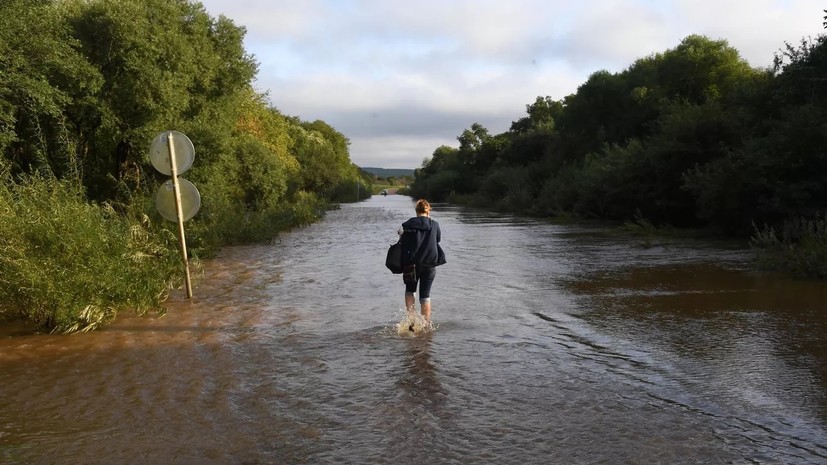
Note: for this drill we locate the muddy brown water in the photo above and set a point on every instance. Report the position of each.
(553, 344)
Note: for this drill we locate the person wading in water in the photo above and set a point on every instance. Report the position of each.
(421, 254)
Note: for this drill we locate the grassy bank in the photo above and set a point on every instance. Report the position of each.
(798, 247)
(67, 265)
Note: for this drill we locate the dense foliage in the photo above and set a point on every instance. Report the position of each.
(691, 137)
(85, 86)
(68, 265)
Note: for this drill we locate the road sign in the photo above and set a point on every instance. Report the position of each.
(183, 149)
(172, 153)
(190, 200)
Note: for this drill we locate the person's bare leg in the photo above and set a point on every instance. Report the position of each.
(426, 310)
(410, 307)
(410, 302)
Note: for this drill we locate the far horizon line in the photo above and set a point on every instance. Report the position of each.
(385, 168)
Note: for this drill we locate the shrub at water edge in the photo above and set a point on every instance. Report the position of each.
(67, 265)
(798, 247)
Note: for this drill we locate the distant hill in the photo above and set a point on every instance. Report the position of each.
(388, 172)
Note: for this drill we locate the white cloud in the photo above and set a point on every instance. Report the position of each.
(759, 28)
(401, 78)
(395, 151)
(614, 34)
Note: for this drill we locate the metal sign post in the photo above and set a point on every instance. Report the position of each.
(172, 153)
(179, 213)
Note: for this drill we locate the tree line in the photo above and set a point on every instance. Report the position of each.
(85, 86)
(690, 137)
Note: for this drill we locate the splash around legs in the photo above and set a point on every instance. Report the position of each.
(412, 323)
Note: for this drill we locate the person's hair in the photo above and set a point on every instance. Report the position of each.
(422, 206)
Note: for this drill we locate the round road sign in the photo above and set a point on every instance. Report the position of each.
(190, 200)
(184, 152)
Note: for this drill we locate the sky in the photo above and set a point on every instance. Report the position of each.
(399, 78)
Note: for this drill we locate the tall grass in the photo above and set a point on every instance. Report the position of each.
(67, 265)
(350, 191)
(798, 247)
(220, 224)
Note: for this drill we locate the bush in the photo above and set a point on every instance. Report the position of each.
(798, 249)
(226, 223)
(67, 265)
(350, 190)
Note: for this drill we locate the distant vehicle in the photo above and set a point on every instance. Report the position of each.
(384, 192)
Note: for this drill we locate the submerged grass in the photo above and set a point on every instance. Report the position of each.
(68, 265)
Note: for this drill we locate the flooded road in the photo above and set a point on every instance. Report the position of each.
(554, 344)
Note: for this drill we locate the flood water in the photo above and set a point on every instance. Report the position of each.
(554, 344)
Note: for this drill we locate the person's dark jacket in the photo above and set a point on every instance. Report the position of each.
(420, 242)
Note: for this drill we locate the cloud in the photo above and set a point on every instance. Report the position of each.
(400, 79)
(757, 29)
(395, 151)
(613, 35)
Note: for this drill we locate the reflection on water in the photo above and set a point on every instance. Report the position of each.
(420, 380)
(553, 344)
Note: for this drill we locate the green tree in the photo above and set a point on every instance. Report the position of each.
(635, 135)
(164, 62)
(85, 85)
(474, 154)
(780, 170)
(44, 78)
(436, 180)
(542, 113)
(323, 157)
